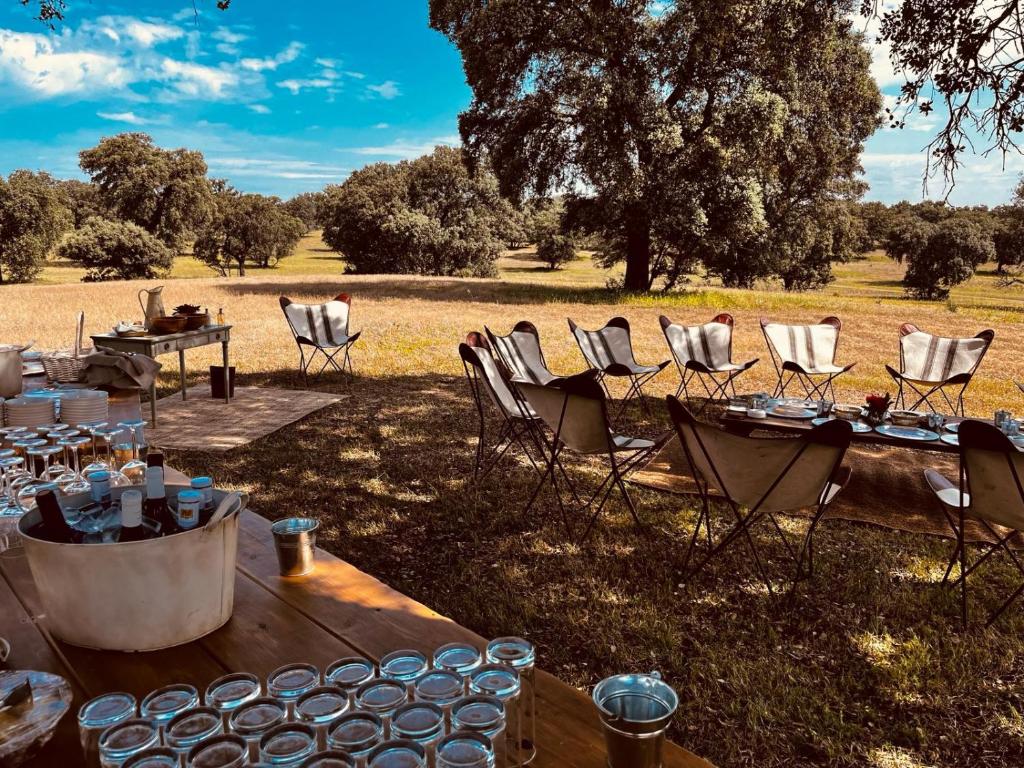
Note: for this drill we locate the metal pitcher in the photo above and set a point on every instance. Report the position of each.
(635, 710)
(153, 306)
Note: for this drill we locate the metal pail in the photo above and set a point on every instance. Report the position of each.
(635, 710)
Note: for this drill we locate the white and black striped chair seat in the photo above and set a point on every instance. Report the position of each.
(610, 346)
(322, 325)
(706, 345)
(497, 389)
(520, 352)
(931, 359)
(812, 348)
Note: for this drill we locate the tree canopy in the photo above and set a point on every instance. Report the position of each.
(116, 250)
(33, 216)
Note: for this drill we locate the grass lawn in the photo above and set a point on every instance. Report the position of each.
(866, 668)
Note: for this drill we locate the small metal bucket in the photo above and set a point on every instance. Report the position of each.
(635, 711)
(295, 541)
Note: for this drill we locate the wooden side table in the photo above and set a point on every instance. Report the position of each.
(154, 346)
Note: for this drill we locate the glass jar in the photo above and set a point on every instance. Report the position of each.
(398, 753)
(190, 503)
(98, 714)
(420, 722)
(190, 727)
(330, 758)
(520, 655)
(356, 733)
(255, 718)
(464, 749)
(157, 757)
(287, 744)
(127, 739)
(164, 703)
(502, 683)
(319, 708)
(289, 682)
(205, 487)
(440, 687)
(224, 751)
(228, 693)
(460, 658)
(404, 666)
(484, 715)
(349, 673)
(382, 698)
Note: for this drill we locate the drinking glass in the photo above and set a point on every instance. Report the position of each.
(382, 697)
(13, 434)
(460, 658)
(520, 655)
(824, 407)
(349, 673)
(73, 481)
(936, 421)
(90, 428)
(398, 753)
(356, 733)
(502, 682)
(319, 708)
(39, 457)
(464, 749)
(228, 693)
(126, 739)
(484, 715)
(224, 751)
(288, 744)
(330, 758)
(135, 469)
(404, 666)
(155, 757)
(98, 714)
(163, 704)
(289, 682)
(57, 469)
(109, 436)
(10, 469)
(421, 722)
(186, 729)
(254, 718)
(440, 687)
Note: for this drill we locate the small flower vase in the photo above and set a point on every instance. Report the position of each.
(874, 417)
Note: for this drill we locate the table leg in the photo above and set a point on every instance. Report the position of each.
(152, 402)
(181, 373)
(227, 373)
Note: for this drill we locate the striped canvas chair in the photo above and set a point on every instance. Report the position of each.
(806, 354)
(518, 421)
(704, 352)
(521, 354)
(324, 327)
(610, 351)
(934, 366)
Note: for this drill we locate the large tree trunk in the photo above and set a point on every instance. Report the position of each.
(638, 251)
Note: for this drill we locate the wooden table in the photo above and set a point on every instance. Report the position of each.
(154, 346)
(742, 424)
(336, 611)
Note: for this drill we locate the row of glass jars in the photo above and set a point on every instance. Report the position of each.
(352, 708)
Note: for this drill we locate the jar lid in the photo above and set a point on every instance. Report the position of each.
(105, 710)
(514, 651)
(496, 680)
(202, 482)
(188, 496)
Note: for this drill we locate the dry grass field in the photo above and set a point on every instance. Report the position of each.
(867, 666)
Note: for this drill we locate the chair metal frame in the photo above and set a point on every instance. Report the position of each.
(329, 351)
(836, 433)
(619, 370)
(961, 380)
(814, 390)
(717, 390)
(985, 437)
(587, 385)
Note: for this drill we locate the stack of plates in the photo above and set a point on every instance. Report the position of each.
(82, 405)
(28, 412)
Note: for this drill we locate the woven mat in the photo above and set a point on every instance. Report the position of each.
(887, 488)
(204, 424)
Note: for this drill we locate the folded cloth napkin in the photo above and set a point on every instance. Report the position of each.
(124, 370)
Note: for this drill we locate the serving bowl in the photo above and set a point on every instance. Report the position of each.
(162, 326)
(905, 418)
(847, 412)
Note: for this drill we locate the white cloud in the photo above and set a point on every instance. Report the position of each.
(296, 85)
(386, 90)
(226, 35)
(197, 79)
(124, 117)
(33, 62)
(149, 34)
(260, 109)
(288, 55)
(282, 168)
(405, 150)
(328, 63)
(382, 126)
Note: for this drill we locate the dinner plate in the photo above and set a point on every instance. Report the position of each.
(907, 433)
(792, 412)
(858, 426)
(798, 402)
(24, 731)
(951, 439)
(953, 427)
(32, 369)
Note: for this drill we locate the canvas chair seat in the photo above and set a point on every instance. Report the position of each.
(520, 352)
(325, 327)
(806, 353)
(822, 369)
(624, 443)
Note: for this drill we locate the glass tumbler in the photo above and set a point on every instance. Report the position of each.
(398, 753)
(420, 722)
(287, 744)
(319, 708)
(348, 674)
(289, 682)
(98, 714)
(127, 739)
(356, 733)
(520, 655)
(330, 758)
(157, 757)
(164, 703)
(188, 728)
(382, 698)
(460, 658)
(465, 749)
(484, 715)
(228, 693)
(253, 719)
(224, 751)
(404, 665)
(503, 683)
(440, 687)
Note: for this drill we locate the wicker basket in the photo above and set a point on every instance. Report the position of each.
(64, 367)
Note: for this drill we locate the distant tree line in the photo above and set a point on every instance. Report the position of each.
(142, 206)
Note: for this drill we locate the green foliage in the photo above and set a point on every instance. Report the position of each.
(556, 250)
(33, 217)
(306, 208)
(116, 250)
(907, 236)
(428, 216)
(82, 199)
(1008, 235)
(945, 256)
(252, 229)
(165, 192)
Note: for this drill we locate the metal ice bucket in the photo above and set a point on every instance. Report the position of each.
(635, 711)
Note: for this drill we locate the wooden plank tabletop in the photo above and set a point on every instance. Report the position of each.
(335, 611)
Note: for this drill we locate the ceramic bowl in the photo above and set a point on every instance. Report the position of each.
(847, 412)
(905, 418)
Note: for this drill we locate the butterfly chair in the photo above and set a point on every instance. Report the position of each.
(324, 327)
(807, 354)
(576, 412)
(933, 365)
(704, 352)
(992, 470)
(521, 354)
(516, 417)
(610, 351)
(760, 477)
(949, 496)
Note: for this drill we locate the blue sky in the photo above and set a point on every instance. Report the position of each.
(287, 97)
